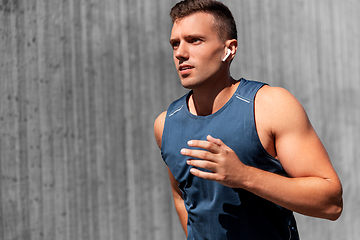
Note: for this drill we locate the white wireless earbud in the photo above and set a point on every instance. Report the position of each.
(227, 55)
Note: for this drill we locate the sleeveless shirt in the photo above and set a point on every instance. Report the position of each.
(217, 212)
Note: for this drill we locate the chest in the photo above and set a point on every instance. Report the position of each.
(235, 126)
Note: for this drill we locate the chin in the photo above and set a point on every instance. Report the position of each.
(186, 82)
(189, 83)
(187, 86)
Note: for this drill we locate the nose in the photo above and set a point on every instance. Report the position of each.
(181, 52)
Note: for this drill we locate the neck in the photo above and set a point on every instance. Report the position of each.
(208, 100)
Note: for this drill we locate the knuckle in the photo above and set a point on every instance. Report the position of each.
(207, 166)
(222, 159)
(211, 167)
(221, 178)
(208, 145)
(205, 155)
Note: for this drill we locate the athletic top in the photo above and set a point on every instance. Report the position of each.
(217, 212)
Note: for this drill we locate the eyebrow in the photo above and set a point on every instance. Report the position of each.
(172, 40)
(195, 36)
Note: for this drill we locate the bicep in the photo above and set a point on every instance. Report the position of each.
(159, 127)
(158, 130)
(302, 154)
(281, 117)
(298, 147)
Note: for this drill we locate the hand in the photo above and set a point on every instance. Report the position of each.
(225, 166)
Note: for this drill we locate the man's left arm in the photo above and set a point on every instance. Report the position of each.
(312, 188)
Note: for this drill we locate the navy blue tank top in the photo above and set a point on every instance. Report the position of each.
(217, 212)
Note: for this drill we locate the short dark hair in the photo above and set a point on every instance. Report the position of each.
(224, 20)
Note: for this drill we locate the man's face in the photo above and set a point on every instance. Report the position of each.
(197, 50)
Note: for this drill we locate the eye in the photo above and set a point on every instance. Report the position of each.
(195, 40)
(175, 45)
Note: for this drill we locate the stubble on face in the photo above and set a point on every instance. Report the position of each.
(198, 50)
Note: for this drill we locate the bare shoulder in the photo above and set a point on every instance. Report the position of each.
(279, 109)
(276, 97)
(159, 127)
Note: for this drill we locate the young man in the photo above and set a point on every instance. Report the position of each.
(242, 156)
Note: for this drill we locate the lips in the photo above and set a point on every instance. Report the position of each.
(185, 68)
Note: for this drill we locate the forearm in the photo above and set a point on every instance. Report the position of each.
(182, 213)
(313, 191)
(312, 196)
(178, 201)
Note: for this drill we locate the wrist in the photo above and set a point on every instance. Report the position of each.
(246, 178)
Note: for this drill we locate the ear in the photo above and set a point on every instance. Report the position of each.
(227, 55)
(232, 44)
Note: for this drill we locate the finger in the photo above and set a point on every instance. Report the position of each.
(211, 147)
(200, 154)
(202, 174)
(206, 175)
(211, 166)
(214, 140)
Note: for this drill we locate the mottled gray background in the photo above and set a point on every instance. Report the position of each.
(81, 83)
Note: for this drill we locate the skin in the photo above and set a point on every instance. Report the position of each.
(312, 188)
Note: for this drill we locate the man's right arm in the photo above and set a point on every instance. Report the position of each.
(177, 194)
(178, 201)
